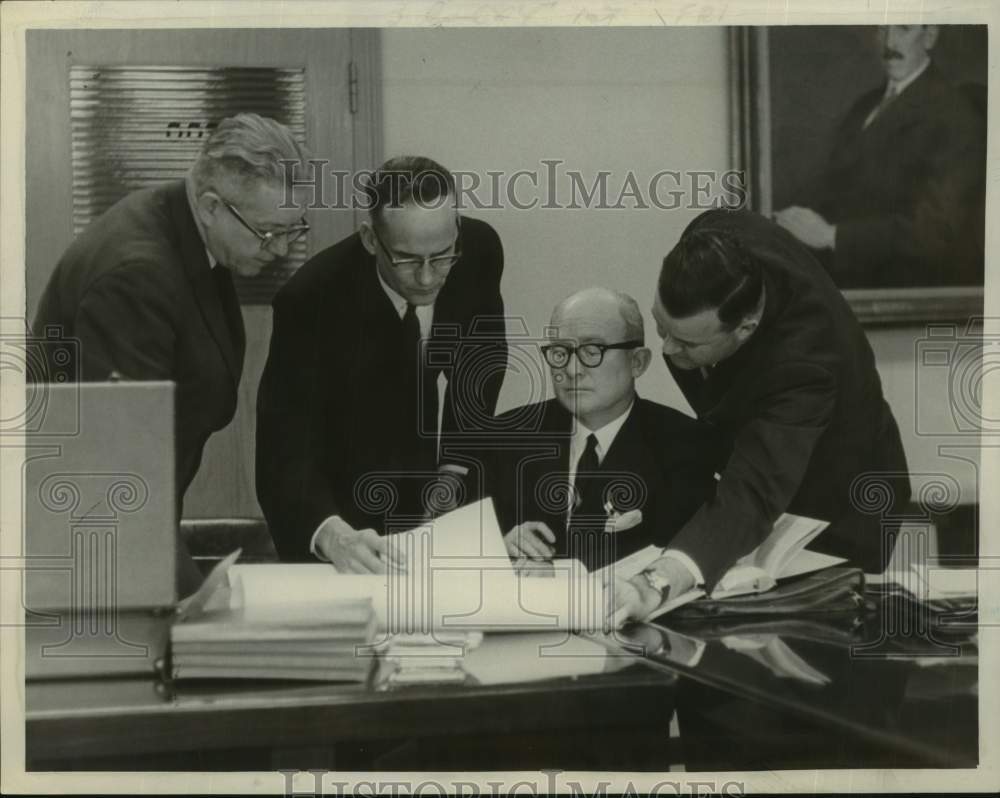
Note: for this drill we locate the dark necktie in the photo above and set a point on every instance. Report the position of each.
(585, 529)
(411, 342)
(886, 100)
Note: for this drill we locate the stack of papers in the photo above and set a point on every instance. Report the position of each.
(933, 583)
(503, 658)
(422, 659)
(324, 641)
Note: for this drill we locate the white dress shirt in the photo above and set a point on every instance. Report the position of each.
(578, 443)
(425, 313)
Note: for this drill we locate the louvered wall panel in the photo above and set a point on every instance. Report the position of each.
(138, 126)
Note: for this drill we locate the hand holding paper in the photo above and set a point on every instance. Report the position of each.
(356, 551)
(532, 539)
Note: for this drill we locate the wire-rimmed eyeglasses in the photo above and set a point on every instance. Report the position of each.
(267, 239)
(440, 262)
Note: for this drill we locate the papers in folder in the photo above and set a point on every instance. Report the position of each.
(459, 577)
(782, 554)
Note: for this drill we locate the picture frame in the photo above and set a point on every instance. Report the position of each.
(790, 86)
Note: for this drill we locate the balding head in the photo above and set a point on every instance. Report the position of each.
(604, 303)
(591, 320)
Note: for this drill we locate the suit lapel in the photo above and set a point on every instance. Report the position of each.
(199, 274)
(902, 110)
(544, 475)
(627, 465)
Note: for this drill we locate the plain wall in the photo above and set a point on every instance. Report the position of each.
(610, 99)
(598, 99)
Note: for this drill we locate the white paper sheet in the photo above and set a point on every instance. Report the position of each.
(459, 577)
(511, 658)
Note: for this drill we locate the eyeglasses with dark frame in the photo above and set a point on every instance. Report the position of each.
(290, 234)
(437, 261)
(589, 355)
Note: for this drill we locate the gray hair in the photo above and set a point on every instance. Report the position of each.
(632, 316)
(247, 148)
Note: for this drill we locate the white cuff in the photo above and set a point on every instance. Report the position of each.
(453, 468)
(687, 562)
(312, 541)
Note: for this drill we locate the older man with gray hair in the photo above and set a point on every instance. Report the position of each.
(147, 288)
(597, 472)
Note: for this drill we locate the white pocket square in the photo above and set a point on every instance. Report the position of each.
(619, 523)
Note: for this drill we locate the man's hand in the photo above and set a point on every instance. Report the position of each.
(529, 540)
(356, 551)
(635, 598)
(808, 227)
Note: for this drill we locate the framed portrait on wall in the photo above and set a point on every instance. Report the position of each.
(869, 145)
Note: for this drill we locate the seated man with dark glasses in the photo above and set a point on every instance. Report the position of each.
(597, 472)
(388, 350)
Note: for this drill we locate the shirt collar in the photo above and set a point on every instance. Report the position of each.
(605, 435)
(900, 85)
(192, 203)
(424, 312)
(398, 302)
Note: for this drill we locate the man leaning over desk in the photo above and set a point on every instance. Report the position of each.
(767, 350)
(147, 289)
(348, 411)
(597, 472)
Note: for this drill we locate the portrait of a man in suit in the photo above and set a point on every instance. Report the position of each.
(899, 198)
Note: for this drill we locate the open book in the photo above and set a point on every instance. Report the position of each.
(782, 554)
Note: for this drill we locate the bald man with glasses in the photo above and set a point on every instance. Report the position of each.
(597, 472)
(388, 352)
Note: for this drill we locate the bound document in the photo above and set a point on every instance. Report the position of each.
(328, 640)
(783, 554)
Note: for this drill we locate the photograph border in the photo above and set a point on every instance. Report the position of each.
(16, 17)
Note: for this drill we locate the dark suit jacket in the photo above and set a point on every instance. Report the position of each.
(907, 193)
(801, 404)
(661, 462)
(334, 434)
(136, 290)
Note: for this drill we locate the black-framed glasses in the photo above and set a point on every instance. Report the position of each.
(290, 234)
(440, 262)
(589, 355)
